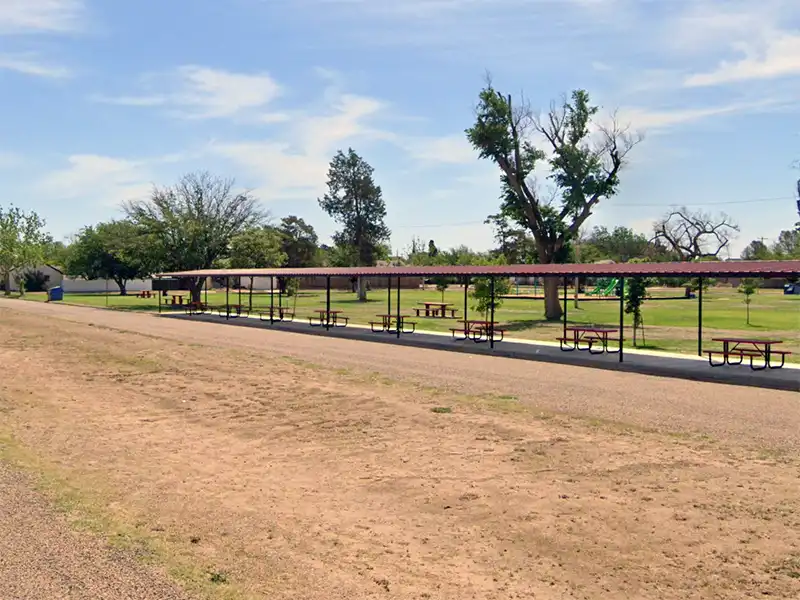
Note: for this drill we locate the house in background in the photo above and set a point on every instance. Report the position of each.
(44, 277)
(39, 279)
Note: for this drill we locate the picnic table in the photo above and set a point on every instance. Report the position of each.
(437, 310)
(233, 310)
(176, 299)
(279, 313)
(747, 347)
(196, 308)
(477, 331)
(332, 317)
(590, 336)
(385, 324)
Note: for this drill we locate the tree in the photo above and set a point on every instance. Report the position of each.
(191, 224)
(113, 250)
(620, 245)
(257, 248)
(756, 250)
(787, 246)
(748, 287)
(635, 295)
(584, 168)
(695, 235)
(300, 242)
(55, 253)
(512, 242)
(482, 288)
(433, 251)
(356, 202)
(22, 243)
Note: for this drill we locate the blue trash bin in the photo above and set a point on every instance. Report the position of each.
(55, 294)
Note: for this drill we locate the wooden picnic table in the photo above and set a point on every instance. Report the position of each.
(177, 299)
(385, 324)
(330, 317)
(233, 310)
(747, 347)
(478, 331)
(437, 309)
(284, 313)
(590, 336)
(195, 308)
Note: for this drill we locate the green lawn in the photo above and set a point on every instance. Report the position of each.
(671, 325)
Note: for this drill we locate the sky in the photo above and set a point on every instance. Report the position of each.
(103, 100)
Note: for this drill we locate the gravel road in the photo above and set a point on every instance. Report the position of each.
(42, 558)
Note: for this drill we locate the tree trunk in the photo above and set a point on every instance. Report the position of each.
(362, 290)
(195, 288)
(552, 303)
(122, 285)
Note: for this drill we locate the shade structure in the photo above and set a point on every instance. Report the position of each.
(730, 268)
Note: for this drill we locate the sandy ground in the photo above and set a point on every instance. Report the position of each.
(304, 467)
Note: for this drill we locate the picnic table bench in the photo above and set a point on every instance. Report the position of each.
(436, 310)
(196, 308)
(477, 331)
(590, 336)
(385, 324)
(279, 313)
(741, 348)
(144, 294)
(233, 310)
(333, 317)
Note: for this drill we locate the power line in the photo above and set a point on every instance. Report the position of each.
(634, 205)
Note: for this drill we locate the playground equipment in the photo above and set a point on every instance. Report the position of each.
(605, 287)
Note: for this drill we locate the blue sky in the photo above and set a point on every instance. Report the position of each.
(103, 99)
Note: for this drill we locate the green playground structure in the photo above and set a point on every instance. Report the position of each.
(605, 287)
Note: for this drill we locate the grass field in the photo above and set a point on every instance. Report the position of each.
(317, 468)
(670, 325)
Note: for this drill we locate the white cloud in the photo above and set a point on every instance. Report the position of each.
(295, 163)
(779, 56)
(105, 179)
(40, 16)
(653, 120)
(451, 149)
(28, 64)
(197, 92)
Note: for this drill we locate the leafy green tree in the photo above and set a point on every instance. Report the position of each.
(356, 203)
(514, 243)
(300, 242)
(787, 246)
(482, 289)
(190, 225)
(257, 248)
(748, 287)
(433, 251)
(56, 253)
(22, 245)
(620, 245)
(635, 295)
(115, 250)
(584, 168)
(757, 250)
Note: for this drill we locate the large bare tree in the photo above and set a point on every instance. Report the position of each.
(695, 235)
(584, 159)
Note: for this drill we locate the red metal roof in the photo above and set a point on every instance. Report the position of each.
(737, 268)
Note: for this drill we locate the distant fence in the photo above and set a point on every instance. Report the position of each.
(96, 286)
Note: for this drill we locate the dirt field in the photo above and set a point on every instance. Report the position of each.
(256, 464)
